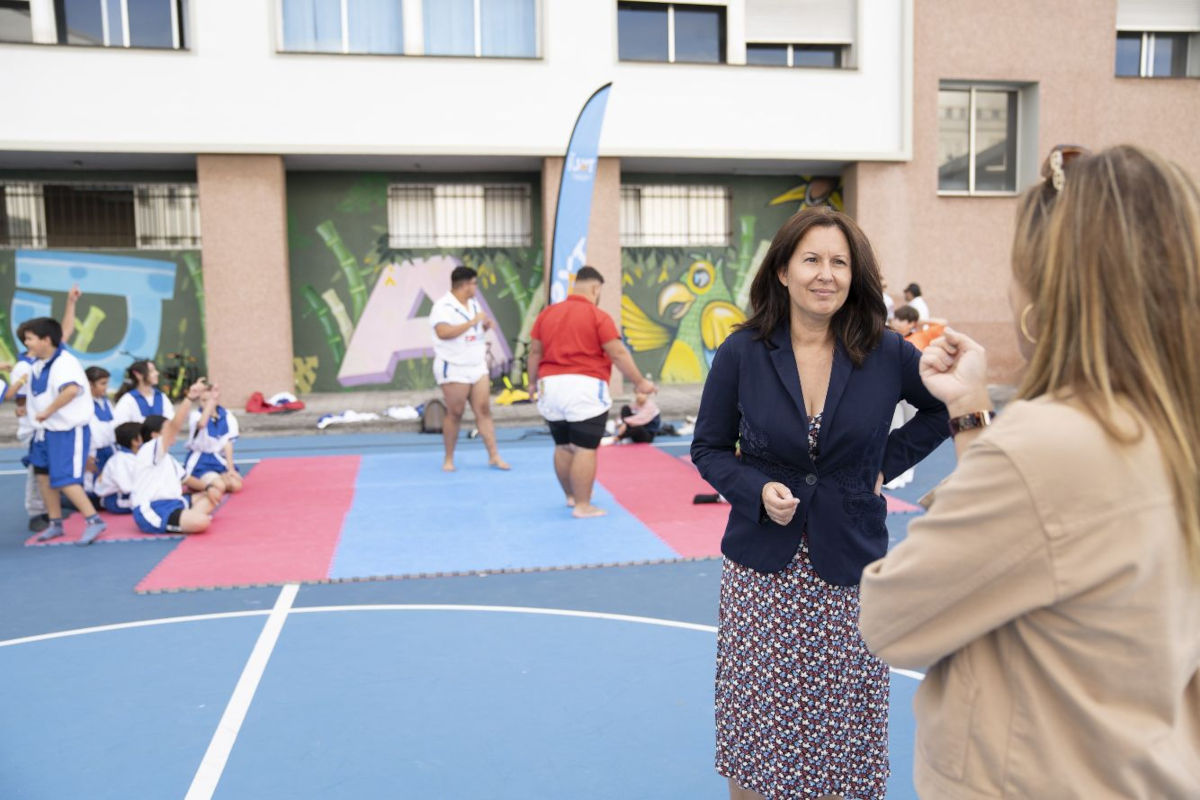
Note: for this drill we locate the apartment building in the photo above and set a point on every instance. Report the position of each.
(274, 192)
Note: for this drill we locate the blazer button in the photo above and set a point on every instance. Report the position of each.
(810, 479)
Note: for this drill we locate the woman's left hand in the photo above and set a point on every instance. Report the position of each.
(954, 370)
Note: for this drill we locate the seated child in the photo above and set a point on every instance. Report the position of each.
(62, 411)
(907, 323)
(139, 396)
(114, 485)
(211, 433)
(158, 502)
(641, 422)
(101, 426)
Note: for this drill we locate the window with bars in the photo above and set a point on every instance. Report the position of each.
(161, 216)
(674, 216)
(459, 215)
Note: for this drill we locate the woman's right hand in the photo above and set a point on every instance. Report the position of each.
(779, 503)
(954, 370)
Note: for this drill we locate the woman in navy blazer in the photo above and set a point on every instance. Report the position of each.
(794, 429)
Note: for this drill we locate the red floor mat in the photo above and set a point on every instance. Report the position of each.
(283, 527)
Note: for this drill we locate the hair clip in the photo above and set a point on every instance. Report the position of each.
(1057, 176)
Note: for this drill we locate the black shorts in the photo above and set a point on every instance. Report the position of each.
(586, 433)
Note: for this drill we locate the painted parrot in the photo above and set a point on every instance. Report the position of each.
(703, 307)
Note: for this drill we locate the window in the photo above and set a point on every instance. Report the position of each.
(1153, 55)
(343, 26)
(671, 32)
(674, 216)
(795, 55)
(71, 215)
(495, 28)
(119, 23)
(459, 215)
(977, 139)
(16, 23)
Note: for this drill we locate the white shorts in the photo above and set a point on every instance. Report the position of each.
(573, 398)
(445, 372)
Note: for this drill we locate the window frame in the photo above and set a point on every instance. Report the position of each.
(1018, 149)
(344, 23)
(1146, 53)
(840, 50)
(33, 193)
(58, 9)
(686, 194)
(523, 195)
(722, 39)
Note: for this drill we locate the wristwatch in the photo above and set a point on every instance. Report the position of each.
(968, 422)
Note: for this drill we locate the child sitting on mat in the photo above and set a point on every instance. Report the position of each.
(114, 485)
(158, 502)
(211, 433)
(641, 422)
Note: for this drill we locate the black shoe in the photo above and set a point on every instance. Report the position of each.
(39, 522)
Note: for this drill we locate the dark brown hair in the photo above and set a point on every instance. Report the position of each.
(858, 324)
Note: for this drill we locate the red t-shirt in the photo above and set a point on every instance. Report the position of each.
(572, 334)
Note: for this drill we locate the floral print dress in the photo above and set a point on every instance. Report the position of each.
(801, 705)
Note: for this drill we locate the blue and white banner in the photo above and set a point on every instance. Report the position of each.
(574, 211)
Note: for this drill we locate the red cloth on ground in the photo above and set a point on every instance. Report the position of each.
(257, 404)
(573, 334)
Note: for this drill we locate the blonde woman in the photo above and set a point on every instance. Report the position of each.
(1053, 587)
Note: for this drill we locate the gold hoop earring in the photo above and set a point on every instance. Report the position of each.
(1025, 322)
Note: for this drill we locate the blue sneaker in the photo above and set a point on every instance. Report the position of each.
(53, 532)
(95, 527)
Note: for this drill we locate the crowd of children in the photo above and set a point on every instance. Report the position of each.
(113, 457)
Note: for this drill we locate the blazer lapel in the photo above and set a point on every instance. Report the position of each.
(785, 364)
(839, 376)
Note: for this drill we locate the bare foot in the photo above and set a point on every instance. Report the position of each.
(570, 501)
(498, 463)
(447, 466)
(584, 512)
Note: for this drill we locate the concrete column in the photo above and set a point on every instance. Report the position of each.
(604, 231)
(248, 324)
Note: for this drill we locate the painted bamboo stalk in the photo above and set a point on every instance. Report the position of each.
(349, 266)
(345, 326)
(85, 331)
(325, 318)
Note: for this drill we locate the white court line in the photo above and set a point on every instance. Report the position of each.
(217, 755)
(559, 612)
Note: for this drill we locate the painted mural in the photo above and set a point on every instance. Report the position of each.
(678, 304)
(134, 304)
(360, 308)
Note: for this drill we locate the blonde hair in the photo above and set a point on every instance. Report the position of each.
(1113, 268)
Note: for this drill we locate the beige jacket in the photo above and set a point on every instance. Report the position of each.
(1049, 588)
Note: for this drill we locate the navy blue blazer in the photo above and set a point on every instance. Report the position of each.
(753, 396)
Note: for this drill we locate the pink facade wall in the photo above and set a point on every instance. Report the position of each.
(958, 248)
(243, 219)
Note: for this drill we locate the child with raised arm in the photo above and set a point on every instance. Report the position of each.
(139, 395)
(114, 485)
(212, 431)
(158, 502)
(62, 411)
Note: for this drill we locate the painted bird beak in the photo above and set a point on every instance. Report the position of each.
(674, 300)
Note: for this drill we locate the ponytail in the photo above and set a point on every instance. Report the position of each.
(138, 369)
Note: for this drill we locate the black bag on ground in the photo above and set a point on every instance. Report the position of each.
(432, 416)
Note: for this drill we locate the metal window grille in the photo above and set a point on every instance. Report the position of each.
(167, 216)
(675, 216)
(459, 215)
(70, 215)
